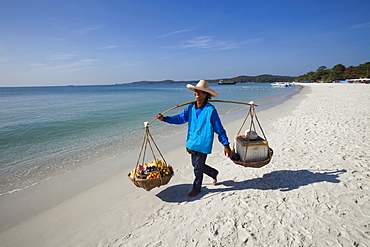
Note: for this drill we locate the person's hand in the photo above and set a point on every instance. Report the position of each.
(160, 117)
(227, 152)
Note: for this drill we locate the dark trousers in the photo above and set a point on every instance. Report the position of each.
(198, 161)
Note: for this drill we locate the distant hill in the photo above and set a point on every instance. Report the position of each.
(266, 78)
(157, 82)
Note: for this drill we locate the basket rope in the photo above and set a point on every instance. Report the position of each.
(147, 141)
(252, 126)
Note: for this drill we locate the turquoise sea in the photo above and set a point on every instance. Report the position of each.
(47, 131)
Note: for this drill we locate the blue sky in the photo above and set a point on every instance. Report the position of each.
(118, 41)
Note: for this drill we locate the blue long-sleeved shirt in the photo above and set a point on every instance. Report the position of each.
(215, 120)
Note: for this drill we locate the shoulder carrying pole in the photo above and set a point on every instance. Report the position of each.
(187, 103)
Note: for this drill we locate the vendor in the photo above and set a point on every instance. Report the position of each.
(203, 121)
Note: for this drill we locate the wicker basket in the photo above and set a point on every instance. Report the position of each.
(256, 164)
(149, 184)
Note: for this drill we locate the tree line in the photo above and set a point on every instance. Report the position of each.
(338, 72)
(265, 78)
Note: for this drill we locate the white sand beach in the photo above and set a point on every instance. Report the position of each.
(314, 192)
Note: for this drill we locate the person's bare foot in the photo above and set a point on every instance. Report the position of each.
(215, 180)
(193, 193)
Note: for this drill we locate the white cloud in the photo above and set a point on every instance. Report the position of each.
(203, 42)
(75, 66)
(4, 60)
(127, 64)
(86, 30)
(110, 47)
(361, 25)
(207, 42)
(165, 58)
(175, 32)
(62, 56)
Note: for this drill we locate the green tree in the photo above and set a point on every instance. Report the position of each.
(336, 73)
(320, 73)
(339, 68)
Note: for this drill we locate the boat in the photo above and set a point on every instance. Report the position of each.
(222, 82)
(280, 84)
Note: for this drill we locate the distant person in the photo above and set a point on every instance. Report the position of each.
(203, 121)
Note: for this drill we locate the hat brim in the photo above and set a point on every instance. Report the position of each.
(207, 90)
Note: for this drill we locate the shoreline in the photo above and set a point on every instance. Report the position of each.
(113, 212)
(166, 143)
(69, 152)
(31, 201)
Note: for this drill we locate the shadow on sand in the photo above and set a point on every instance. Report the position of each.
(285, 180)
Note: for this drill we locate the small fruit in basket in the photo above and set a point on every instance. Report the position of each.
(153, 175)
(166, 170)
(150, 164)
(133, 174)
